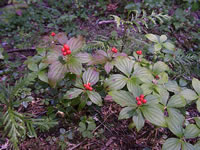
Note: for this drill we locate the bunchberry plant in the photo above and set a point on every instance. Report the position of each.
(84, 87)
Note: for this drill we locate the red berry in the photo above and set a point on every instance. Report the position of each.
(89, 84)
(53, 33)
(90, 88)
(63, 49)
(157, 77)
(85, 85)
(139, 52)
(66, 47)
(114, 50)
(144, 101)
(142, 96)
(139, 103)
(137, 98)
(68, 52)
(64, 53)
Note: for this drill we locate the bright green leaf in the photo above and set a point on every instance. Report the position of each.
(197, 119)
(169, 46)
(196, 85)
(189, 94)
(152, 37)
(159, 67)
(124, 64)
(176, 101)
(33, 66)
(157, 47)
(172, 144)
(187, 146)
(42, 75)
(163, 38)
(191, 131)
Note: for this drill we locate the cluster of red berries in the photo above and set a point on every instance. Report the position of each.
(53, 33)
(66, 50)
(139, 52)
(88, 87)
(114, 50)
(157, 77)
(140, 100)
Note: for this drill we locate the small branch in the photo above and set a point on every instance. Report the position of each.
(20, 50)
(105, 22)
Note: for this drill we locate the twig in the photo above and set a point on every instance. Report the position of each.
(76, 146)
(19, 50)
(106, 22)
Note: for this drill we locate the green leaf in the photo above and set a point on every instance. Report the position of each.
(152, 99)
(176, 114)
(157, 47)
(154, 115)
(172, 144)
(159, 67)
(56, 72)
(197, 119)
(189, 94)
(191, 131)
(152, 37)
(116, 82)
(1, 53)
(143, 74)
(176, 101)
(138, 120)
(124, 64)
(163, 38)
(32, 66)
(169, 46)
(134, 88)
(95, 97)
(147, 88)
(126, 113)
(164, 95)
(163, 78)
(175, 123)
(91, 75)
(187, 146)
(196, 85)
(123, 98)
(43, 66)
(42, 75)
(198, 105)
(73, 93)
(172, 86)
(74, 65)
(197, 145)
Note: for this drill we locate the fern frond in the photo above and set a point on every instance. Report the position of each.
(27, 80)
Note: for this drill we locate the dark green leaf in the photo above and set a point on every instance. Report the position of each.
(126, 113)
(95, 97)
(138, 120)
